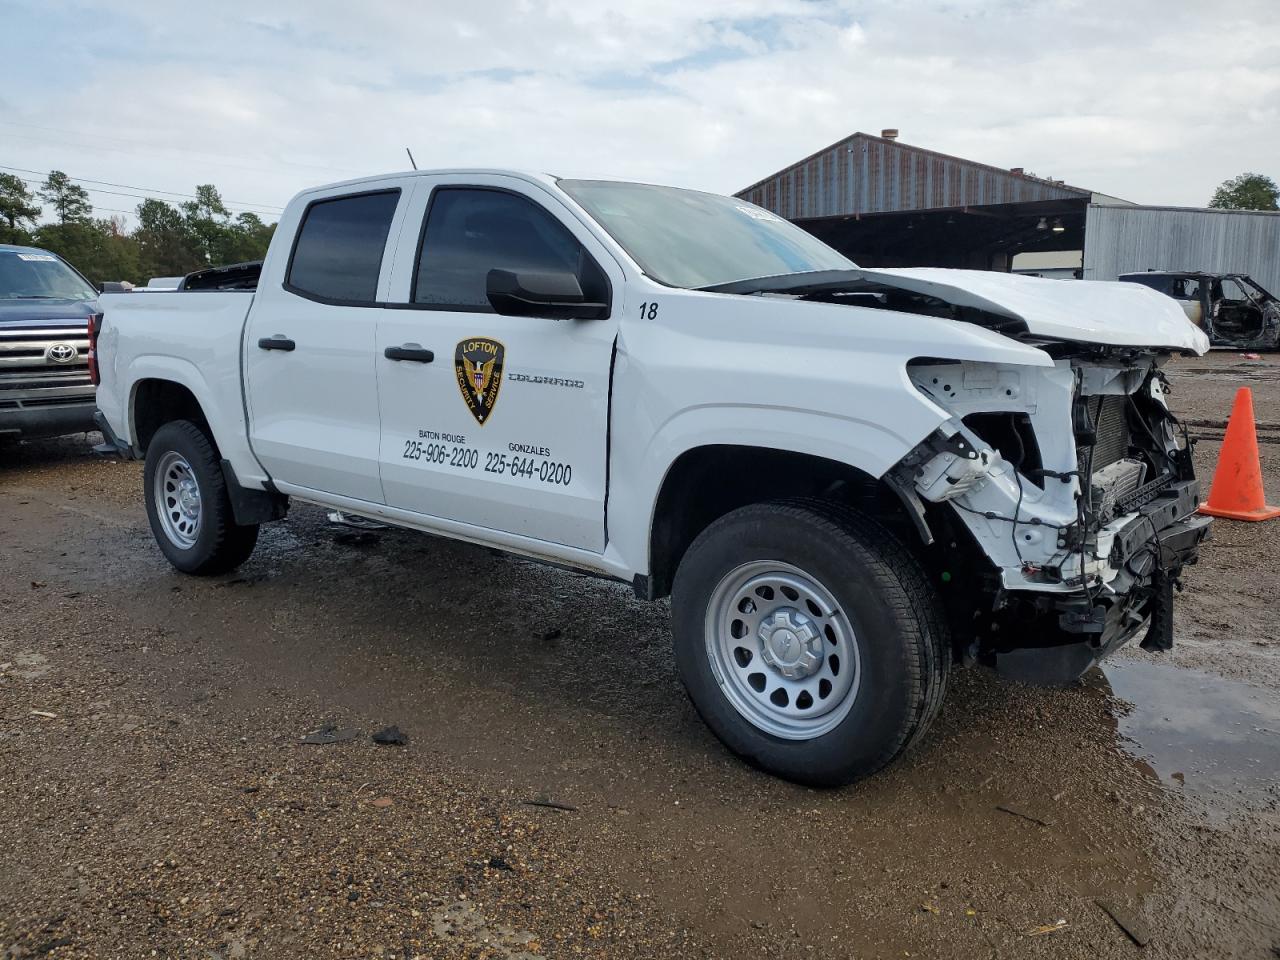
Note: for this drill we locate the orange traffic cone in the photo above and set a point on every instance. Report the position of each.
(1237, 483)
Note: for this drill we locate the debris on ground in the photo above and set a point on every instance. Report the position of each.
(48, 715)
(381, 802)
(338, 518)
(1015, 812)
(1128, 921)
(330, 733)
(391, 736)
(1048, 928)
(549, 804)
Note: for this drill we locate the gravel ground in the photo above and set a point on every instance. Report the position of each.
(558, 796)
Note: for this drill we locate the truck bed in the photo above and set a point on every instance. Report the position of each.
(191, 338)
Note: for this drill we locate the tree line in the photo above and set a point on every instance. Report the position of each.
(168, 240)
(1249, 191)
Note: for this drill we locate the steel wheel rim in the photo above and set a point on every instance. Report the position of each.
(759, 641)
(177, 499)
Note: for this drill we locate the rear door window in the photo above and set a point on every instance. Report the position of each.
(338, 252)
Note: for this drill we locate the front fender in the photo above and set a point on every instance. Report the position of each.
(868, 445)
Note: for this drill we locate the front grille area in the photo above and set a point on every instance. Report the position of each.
(30, 376)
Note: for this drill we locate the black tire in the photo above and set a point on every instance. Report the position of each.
(901, 637)
(220, 544)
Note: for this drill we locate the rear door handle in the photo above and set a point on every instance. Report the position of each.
(411, 352)
(278, 342)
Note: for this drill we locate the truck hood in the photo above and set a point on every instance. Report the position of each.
(36, 312)
(1084, 311)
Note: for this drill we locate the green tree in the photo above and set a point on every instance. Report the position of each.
(17, 208)
(167, 241)
(100, 249)
(70, 201)
(166, 247)
(247, 239)
(1249, 191)
(208, 222)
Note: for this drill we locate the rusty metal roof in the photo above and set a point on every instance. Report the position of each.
(867, 174)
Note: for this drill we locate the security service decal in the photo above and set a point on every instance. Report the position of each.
(478, 365)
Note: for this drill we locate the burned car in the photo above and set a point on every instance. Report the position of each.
(1230, 307)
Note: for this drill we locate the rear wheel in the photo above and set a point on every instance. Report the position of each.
(187, 504)
(809, 640)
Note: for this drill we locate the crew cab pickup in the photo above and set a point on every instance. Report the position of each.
(846, 480)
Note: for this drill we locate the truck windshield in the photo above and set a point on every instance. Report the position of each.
(35, 275)
(685, 238)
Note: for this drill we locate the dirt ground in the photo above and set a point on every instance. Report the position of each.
(156, 800)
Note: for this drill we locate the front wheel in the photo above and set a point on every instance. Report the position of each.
(809, 640)
(187, 504)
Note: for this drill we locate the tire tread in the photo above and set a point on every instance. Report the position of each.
(231, 543)
(900, 583)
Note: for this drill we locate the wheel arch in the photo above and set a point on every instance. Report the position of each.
(706, 482)
(155, 401)
(165, 388)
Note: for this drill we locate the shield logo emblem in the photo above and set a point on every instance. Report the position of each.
(477, 363)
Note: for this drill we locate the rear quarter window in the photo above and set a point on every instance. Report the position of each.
(337, 255)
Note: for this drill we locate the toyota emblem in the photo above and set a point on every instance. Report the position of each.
(62, 353)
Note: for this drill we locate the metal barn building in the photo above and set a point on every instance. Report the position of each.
(886, 203)
(1132, 239)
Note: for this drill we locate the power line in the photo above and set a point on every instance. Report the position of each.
(113, 193)
(148, 191)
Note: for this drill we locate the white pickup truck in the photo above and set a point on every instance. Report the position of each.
(847, 480)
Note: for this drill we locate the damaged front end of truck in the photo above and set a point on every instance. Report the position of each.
(1055, 546)
(1056, 500)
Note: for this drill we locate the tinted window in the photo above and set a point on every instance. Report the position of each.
(339, 249)
(471, 231)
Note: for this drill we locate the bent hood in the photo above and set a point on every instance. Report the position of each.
(1085, 311)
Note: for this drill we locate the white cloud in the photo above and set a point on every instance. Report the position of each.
(1152, 101)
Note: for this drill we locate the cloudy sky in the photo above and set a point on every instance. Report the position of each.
(1155, 101)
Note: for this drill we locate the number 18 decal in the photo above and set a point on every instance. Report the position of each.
(649, 310)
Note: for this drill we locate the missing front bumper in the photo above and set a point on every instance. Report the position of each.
(1149, 552)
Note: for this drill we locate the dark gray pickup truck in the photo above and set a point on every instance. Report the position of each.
(45, 306)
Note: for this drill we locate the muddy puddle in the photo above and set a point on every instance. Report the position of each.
(1213, 739)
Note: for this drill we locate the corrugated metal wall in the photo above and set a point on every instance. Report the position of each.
(1131, 239)
(865, 174)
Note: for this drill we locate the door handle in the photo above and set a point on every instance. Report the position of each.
(411, 352)
(278, 342)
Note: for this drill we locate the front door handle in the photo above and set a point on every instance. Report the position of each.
(411, 352)
(278, 342)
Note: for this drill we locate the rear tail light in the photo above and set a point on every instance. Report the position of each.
(95, 323)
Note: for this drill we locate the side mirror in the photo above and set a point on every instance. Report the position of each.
(555, 295)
